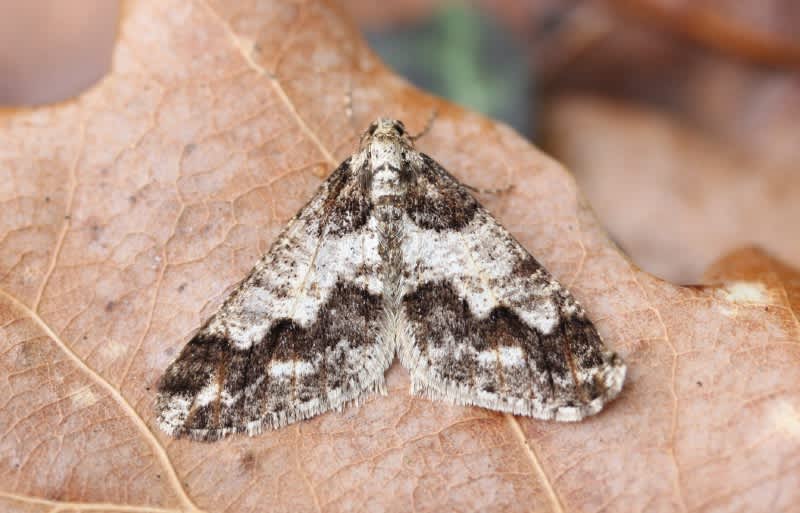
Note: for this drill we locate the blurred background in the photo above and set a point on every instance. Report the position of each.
(680, 119)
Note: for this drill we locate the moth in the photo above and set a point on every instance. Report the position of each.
(392, 255)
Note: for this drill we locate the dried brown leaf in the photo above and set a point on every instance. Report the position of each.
(761, 32)
(131, 210)
(754, 265)
(672, 196)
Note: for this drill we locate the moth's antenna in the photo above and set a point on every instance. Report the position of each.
(348, 108)
(428, 125)
(497, 190)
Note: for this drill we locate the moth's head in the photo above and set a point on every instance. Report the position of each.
(386, 128)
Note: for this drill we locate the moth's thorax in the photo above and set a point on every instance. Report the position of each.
(383, 159)
(385, 163)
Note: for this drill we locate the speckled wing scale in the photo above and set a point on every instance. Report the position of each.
(392, 254)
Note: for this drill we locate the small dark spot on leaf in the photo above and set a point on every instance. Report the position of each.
(248, 461)
(54, 495)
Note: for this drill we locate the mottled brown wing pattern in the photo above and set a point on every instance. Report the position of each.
(485, 323)
(301, 335)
